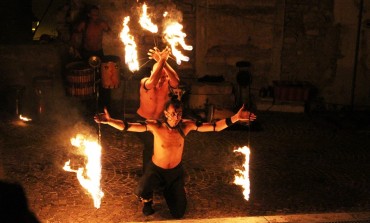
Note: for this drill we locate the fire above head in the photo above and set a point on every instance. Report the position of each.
(242, 175)
(89, 177)
(174, 36)
(145, 21)
(130, 46)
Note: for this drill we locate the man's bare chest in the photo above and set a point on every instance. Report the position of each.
(158, 94)
(94, 29)
(170, 138)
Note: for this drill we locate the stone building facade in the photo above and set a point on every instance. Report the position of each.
(321, 42)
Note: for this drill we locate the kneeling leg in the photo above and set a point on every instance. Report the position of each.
(176, 199)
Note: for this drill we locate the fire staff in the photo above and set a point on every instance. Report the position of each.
(165, 168)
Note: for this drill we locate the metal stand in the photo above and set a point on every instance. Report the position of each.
(123, 104)
(94, 62)
(244, 79)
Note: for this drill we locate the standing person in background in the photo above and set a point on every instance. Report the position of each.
(87, 41)
(154, 93)
(87, 36)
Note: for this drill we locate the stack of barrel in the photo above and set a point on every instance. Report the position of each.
(80, 79)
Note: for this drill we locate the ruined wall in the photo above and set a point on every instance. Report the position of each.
(231, 31)
(307, 40)
(311, 41)
(320, 47)
(360, 90)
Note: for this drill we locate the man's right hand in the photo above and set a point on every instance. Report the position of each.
(154, 54)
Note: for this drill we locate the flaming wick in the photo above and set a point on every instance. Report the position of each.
(24, 118)
(91, 182)
(145, 21)
(174, 36)
(130, 46)
(242, 175)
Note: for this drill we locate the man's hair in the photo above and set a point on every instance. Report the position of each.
(89, 8)
(174, 102)
(92, 7)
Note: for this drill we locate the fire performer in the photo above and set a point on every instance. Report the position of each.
(154, 93)
(165, 169)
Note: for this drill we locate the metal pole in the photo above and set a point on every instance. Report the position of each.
(96, 91)
(97, 111)
(356, 54)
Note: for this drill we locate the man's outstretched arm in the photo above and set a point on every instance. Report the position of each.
(242, 115)
(105, 118)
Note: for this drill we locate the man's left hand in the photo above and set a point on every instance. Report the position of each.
(245, 116)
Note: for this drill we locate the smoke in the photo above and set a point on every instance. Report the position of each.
(172, 14)
(69, 115)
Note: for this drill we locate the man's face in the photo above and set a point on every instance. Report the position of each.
(94, 14)
(173, 115)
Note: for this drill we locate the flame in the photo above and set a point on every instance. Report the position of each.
(24, 118)
(174, 36)
(145, 21)
(242, 175)
(130, 46)
(89, 177)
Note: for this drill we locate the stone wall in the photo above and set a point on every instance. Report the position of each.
(284, 40)
(320, 47)
(232, 31)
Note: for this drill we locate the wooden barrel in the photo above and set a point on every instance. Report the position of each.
(80, 79)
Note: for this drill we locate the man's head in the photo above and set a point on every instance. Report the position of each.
(93, 12)
(173, 112)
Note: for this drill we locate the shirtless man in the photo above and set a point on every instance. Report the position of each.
(154, 90)
(165, 169)
(154, 93)
(92, 31)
